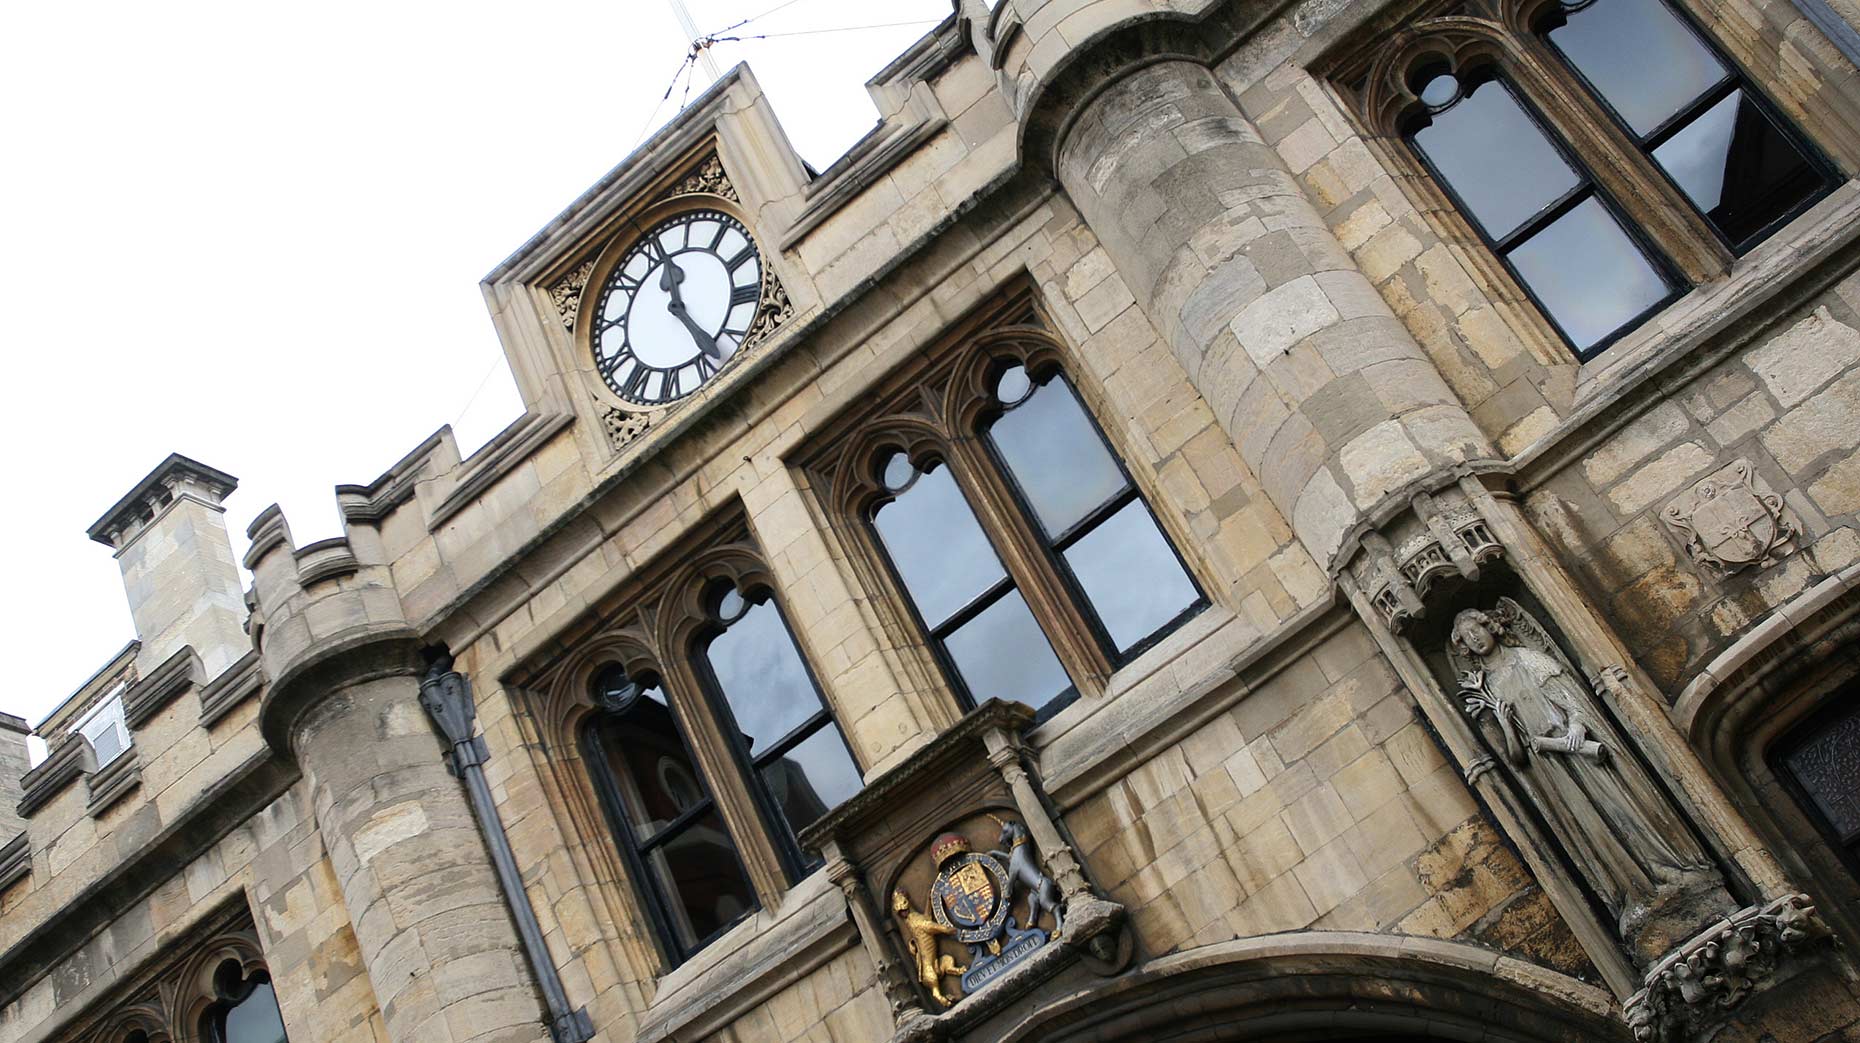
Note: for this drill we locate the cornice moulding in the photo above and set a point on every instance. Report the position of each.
(133, 504)
(68, 761)
(114, 781)
(235, 685)
(15, 861)
(175, 675)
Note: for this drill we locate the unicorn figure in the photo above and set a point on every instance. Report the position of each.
(1023, 871)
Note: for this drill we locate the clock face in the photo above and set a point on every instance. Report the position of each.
(677, 306)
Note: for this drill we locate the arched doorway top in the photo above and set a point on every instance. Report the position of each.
(1331, 985)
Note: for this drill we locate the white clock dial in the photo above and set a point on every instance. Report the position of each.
(677, 307)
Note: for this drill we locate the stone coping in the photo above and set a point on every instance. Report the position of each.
(134, 502)
(751, 963)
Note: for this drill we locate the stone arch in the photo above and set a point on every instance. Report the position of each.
(1788, 668)
(1331, 986)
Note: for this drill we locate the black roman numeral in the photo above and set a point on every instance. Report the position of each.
(740, 259)
(745, 295)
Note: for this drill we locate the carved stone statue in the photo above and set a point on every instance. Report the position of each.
(1539, 715)
(920, 935)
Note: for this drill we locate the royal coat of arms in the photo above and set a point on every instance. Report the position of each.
(1731, 522)
(972, 900)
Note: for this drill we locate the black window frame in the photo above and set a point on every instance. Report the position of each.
(796, 863)
(213, 1019)
(1736, 78)
(1054, 547)
(936, 637)
(1587, 187)
(632, 850)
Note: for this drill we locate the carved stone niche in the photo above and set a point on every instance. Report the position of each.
(1442, 541)
(966, 895)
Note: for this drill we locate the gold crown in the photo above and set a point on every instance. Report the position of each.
(947, 846)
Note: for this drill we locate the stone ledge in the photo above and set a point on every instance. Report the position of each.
(757, 959)
(68, 760)
(1124, 731)
(15, 861)
(235, 685)
(174, 676)
(514, 445)
(203, 822)
(114, 781)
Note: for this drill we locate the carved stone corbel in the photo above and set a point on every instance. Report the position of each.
(1690, 989)
(1407, 559)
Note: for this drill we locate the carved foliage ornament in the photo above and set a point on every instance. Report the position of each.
(1716, 970)
(1731, 521)
(707, 178)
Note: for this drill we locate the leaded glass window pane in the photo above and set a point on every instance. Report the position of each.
(1131, 576)
(1002, 653)
(1827, 767)
(662, 815)
(1089, 512)
(937, 546)
(1498, 160)
(780, 721)
(1691, 111)
(1539, 211)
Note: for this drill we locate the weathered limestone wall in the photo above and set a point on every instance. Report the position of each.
(1787, 403)
(14, 761)
(274, 862)
(1318, 802)
(1329, 399)
(435, 935)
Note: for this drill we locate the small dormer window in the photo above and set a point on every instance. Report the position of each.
(104, 729)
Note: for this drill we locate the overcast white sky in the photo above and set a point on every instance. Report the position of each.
(253, 233)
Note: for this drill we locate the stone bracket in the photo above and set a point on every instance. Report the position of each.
(1688, 989)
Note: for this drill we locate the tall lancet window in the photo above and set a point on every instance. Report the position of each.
(661, 812)
(784, 733)
(1537, 208)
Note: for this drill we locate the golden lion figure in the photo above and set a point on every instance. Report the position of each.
(920, 935)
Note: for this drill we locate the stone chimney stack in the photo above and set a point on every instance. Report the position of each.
(170, 539)
(13, 764)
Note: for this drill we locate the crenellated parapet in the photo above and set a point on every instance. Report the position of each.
(315, 609)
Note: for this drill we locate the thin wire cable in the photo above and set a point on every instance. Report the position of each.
(683, 67)
(482, 384)
(777, 9)
(819, 32)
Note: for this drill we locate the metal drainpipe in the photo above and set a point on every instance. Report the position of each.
(446, 694)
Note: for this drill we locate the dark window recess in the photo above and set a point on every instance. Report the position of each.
(968, 604)
(1822, 762)
(1537, 209)
(1089, 515)
(782, 727)
(246, 1011)
(664, 821)
(1693, 113)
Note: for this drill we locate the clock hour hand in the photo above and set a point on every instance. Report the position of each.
(669, 281)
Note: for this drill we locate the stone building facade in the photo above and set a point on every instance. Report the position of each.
(1329, 520)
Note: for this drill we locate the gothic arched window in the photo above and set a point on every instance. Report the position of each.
(662, 815)
(982, 493)
(246, 1010)
(784, 734)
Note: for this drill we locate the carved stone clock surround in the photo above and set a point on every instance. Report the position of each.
(704, 183)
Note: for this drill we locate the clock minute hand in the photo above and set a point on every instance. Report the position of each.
(669, 281)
